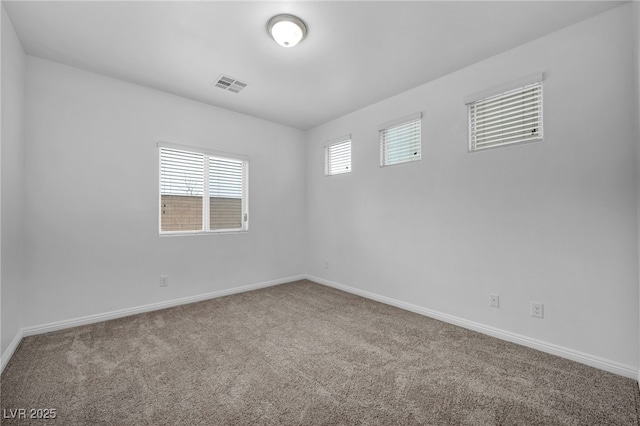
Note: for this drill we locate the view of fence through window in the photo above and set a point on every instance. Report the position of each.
(225, 193)
(182, 184)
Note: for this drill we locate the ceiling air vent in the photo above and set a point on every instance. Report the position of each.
(229, 83)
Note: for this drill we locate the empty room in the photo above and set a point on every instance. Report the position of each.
(331, 213)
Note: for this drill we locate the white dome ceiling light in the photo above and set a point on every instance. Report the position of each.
(287, 30)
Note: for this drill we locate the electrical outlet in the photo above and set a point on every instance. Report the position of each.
(537, 310)
(495, 300)
(326, 264)
(164, 280)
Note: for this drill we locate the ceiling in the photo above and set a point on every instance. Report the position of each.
(355, 53)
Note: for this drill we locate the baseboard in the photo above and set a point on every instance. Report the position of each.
(90, 319)
(8, 353)
(587, 359)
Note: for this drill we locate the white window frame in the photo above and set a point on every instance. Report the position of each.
(208, 154)
(395, 124)
(535, 108)
(329, 156)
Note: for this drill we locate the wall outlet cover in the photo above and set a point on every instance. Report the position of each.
(164, 280)
(494, 300)
(537, 310)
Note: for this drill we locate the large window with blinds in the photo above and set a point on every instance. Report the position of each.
(400, 140)
(337, 156)
(507, 118)
(201, 191)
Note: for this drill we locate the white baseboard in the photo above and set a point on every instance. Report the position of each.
(90, 319)
(591, 360)
(581, 357)
(8, 353)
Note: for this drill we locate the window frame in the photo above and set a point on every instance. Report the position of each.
(382, 128)
(328, 157)
(206, 218)
(532, 81)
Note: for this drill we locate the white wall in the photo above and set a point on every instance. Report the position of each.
(553, 221)
(92, 239)
(12, 179)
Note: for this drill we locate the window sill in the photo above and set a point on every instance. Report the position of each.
(200, 233)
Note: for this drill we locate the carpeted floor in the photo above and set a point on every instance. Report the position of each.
(302, 354)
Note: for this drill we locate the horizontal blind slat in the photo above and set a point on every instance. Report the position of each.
(507, 142)
(514, 116)
(518, 96)
(498, 111)
(225, 178)
(527, 115)
(338, 158)
(400, 143)
(183, 175)
(519, 127)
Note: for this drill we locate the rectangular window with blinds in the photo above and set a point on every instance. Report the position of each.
(400, 140)
(337, 156)
(510, 117)
(186, 176)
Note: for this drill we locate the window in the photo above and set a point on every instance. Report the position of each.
(400, 140)
(186, 175)
(337, 156)
(510, 117)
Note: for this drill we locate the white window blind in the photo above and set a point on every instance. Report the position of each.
(181, 190)
(226, 190)
(400, 140)
(510, 117)
(185, 177)
(337, 157)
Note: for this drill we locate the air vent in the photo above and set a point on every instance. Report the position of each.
(229, 83)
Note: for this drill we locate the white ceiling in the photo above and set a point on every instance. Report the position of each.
(355, 53)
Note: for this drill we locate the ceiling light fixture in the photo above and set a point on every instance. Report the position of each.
(287, 30)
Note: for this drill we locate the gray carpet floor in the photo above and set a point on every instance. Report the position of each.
(302, 354)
